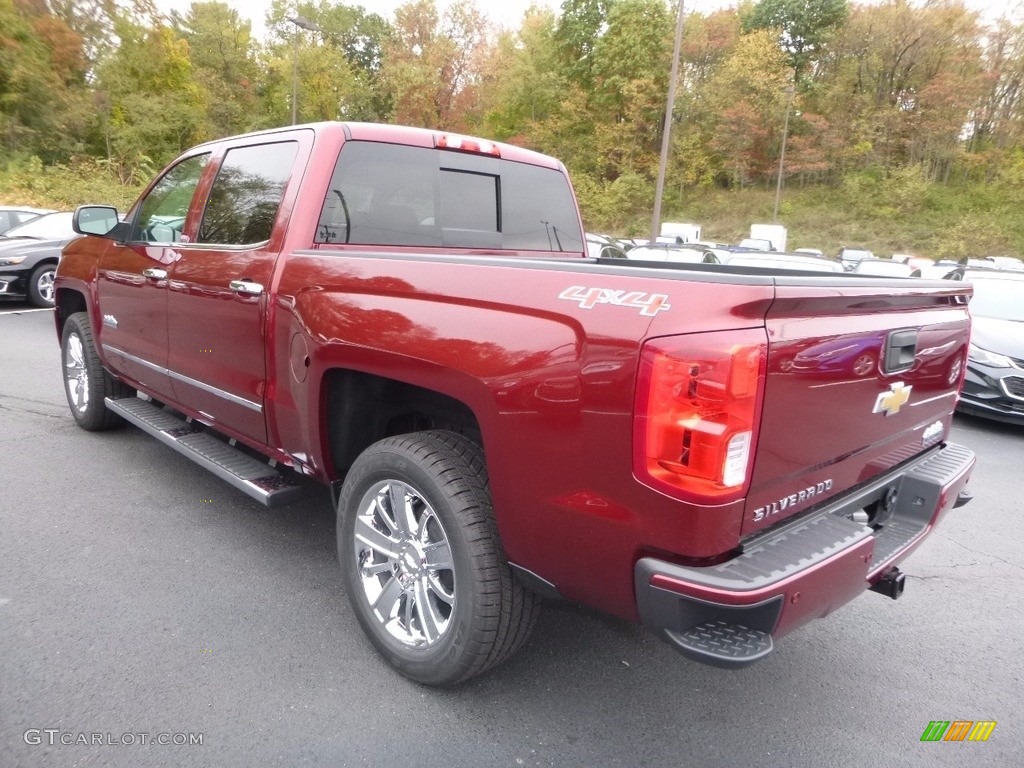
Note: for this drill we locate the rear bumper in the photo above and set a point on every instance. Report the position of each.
(729, 614)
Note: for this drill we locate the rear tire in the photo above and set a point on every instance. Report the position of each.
(40, 285)
(86, 382)
(422, 562)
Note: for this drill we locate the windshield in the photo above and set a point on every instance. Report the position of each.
(998, 299)
(52, 226)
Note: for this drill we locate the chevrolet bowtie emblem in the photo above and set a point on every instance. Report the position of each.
(891, 401)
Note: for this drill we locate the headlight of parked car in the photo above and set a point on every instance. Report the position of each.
(12, 261)
(978, 355)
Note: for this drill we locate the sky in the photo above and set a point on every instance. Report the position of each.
(508, 13)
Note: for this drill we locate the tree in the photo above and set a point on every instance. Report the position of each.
(152, 108)
(433, 64)
(221, 54)
(804, 25)
(580, 26)
(747, 102)
(636, 45)
(521, 79)
(900, 81)
(340, 60)
(96, 21)
(43, 101)
(997, 120)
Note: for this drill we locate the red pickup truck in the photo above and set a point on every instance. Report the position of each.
(409, 316)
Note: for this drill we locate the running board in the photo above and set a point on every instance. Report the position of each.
(254, 478)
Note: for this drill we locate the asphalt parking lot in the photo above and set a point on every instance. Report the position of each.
(142, 597)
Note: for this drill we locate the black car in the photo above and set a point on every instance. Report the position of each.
(29, 254)
(994, 387)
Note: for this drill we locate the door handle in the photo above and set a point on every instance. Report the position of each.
(155, 274)
(248, 287)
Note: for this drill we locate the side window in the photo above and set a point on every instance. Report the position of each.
(162, 213)
(538, 210)
(247, 193)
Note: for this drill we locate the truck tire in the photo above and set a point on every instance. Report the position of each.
(430, 586)
(40, 285)
(86, 383)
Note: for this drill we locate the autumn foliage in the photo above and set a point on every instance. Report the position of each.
(879, 94)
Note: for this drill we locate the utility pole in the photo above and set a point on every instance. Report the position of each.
(782, 155)
(302, 23)
(666, 134)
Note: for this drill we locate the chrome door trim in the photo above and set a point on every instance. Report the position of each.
(186, 379)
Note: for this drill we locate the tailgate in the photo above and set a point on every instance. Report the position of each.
(862, 375)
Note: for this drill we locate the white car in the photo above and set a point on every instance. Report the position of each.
(671, 253)
(14, 215)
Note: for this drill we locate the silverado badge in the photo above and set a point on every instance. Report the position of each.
(891, 401)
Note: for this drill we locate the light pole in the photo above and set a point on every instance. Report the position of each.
(666, 133)
(306, 24)
(790, 90)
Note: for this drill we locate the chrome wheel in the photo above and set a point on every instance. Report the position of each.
(76, 375)
(86, 382)
(422, 561)
(404, 564)
(44, 286)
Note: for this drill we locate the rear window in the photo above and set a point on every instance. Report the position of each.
(388, 194)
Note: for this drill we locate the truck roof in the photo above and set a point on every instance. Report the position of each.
(404, 134)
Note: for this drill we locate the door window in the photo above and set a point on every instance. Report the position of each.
(162, 213)
(247, 194)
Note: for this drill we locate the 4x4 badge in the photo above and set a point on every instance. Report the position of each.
(649, 304)
(890, 402)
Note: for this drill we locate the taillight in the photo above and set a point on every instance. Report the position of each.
(697, 409)
(466, 144)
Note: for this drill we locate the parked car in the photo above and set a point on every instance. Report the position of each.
(937, 272)
(799, 261)
(673, 253)
(994, 386)
(29, 254)
(811, 251)
(882, 267)
(1006, 262)
(757, 244)
(977, 263)
(851, 255)
(13, 215)
(603, 247)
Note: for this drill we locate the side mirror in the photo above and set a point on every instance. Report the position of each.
(100, 220)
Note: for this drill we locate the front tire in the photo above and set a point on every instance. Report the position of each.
(86, 383)
(40, 285)
(422, 562)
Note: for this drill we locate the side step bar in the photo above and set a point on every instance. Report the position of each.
(254, 478)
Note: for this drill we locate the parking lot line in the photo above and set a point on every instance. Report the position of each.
(24, 311)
